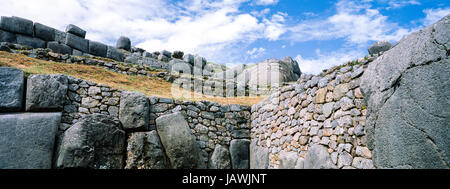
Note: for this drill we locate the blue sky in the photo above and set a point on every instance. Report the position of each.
(318, 34)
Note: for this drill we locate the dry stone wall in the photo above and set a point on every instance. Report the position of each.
(316, 123)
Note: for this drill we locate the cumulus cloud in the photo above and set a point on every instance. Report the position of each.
(256, 52)
(325, 61)
(396, 4)
(434, 15)
(266, 2)
(355, 22)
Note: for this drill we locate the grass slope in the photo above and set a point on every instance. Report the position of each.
(147, 85)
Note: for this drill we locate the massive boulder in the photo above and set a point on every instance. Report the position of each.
(27, 140)
(318, 158)
(7, 37)
(30, 41)
(44, 32)
(134, 110)
(59, 48)
(114, 54)
(77, 42)
(46, 92)
(75, 30)
(11, 89)
(96, 141)
(270, 72)
(380, 46)
(179, 142)
(124, 43)
(259, 156)
(240, 155)
(17, 25)
(97, 49)
(407, 92)
(145, 151)
(290, 160)
(220, 158)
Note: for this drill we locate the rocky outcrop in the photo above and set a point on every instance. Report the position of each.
(97, 141)
(27, 140)
(46, 92)
(11, 89)
(178, 141)
(407, 92)
(145, 151)
(380, 46)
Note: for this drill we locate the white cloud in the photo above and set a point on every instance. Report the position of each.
(321, 62)
(355, 22)
(266, 2)
(256, 52)
(275, 26)
(396, 4)
(434, 15)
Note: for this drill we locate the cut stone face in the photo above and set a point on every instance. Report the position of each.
(27, 140)
(46, 92)
(11, 89)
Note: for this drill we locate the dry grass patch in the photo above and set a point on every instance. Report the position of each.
(148, 85)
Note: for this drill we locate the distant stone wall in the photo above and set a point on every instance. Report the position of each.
(316, 123)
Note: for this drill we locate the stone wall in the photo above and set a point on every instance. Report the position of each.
(316, 123)
(90, 109)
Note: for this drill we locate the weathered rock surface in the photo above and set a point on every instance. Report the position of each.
(380, 46)
(269, 72)
(59, 48)
(318, 158)
(30, 41)
(288, 160)
(7, 37)
(27, 140)
(134, 110)
(44, 32)
(220, 158)
(75, 30)
(114, 54)
(11, 89)
(97, 49)
(124, 43)
(240, 153)
(407, 93)
(145, 151)
(259, 156)
(17, 25)
(46, 92)
(77, 42)
(97, 141)
(179, 142)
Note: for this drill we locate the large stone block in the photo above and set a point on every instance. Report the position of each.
(59, 48)
(27, 140)
(259, 156)
(77, 42)
(179, 142)
(44, 32)
(75, 30)
(46, 92)
(60, 36)
(240, 153)
(115, 54)
(318, 158)
(17, 25)
(134, 110)
(145, 151)
(124, 43)
(96, 141)
(97, 49)
(11, 89)
(7, 37)
(407, 91)
(220, 158)
(30, 41)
